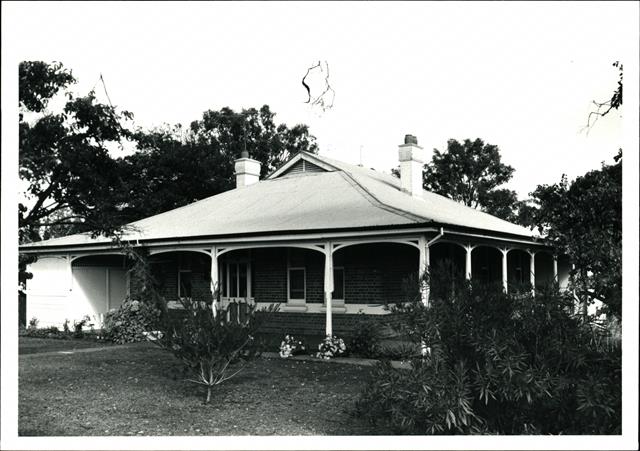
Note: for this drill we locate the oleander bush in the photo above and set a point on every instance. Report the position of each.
(365, 339)
(130, 322)
(499, 364)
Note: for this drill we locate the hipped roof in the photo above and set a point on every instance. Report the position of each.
(344, 196)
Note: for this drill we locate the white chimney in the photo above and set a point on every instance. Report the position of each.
(411, 164)
(247, 170)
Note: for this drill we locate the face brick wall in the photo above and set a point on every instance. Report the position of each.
(374, 274)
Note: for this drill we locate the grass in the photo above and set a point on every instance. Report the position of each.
(32, 345)
(139, 390)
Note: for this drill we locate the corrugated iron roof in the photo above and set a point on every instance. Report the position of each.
(347, 197)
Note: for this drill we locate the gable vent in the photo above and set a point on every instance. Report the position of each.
(303, 166)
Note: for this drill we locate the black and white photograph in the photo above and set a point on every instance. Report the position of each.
(320, 225)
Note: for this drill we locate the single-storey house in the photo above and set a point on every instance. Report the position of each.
(324, 239)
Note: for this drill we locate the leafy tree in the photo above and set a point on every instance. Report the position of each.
(174, 167)
(64, 157)
(584, 220)
(471, 172)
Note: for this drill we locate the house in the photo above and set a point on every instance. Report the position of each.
(324, 239)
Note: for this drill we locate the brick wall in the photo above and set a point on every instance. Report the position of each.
(314, 323)
(374, 274)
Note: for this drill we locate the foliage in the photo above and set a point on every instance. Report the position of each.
(365, 339)
(615, 102)
(583, 219)
(79, 325)
(176, 166)
(290, 346)
(72, 181)
(471, 173)
(330, 347)
(33, 323)
(212, 348)
(499, 363)
(129, 322)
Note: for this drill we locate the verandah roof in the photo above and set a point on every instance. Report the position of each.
(344, 197)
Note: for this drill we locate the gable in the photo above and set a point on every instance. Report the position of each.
(302, 166)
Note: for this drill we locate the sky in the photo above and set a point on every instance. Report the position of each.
(520, 75)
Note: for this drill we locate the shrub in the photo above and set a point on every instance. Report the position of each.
(33, 323)
(499, 363)
(212, 349)
(290, 346)
(365, 339)
(331, 347)
(130, 321)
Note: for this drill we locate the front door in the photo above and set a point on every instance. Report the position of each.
(236, 288)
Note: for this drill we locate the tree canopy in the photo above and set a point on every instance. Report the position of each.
(472, 172)
(64, 158)
(174, 166)
(583, 219)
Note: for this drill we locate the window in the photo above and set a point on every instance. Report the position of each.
(184, 284)
(338, 283)
(297, 283)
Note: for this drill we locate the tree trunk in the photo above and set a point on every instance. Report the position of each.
(208, 394)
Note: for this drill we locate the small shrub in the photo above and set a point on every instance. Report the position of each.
(65, 327)
(290, 346)
(130, 321)
(365, 339)
(212, 349)
(78, 326)
(33, 323)
(331, 347)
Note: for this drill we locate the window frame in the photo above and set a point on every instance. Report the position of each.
(338, 268)
(180, 271)
(302, 300)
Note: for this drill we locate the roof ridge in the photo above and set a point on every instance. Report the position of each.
(373, 200)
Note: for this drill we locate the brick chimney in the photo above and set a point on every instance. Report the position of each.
(247, 170)
(411, 157)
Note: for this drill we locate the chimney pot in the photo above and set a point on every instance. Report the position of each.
(410, 139)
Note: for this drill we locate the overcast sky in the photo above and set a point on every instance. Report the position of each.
(519, 75)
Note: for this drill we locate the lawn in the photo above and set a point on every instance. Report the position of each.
(139, 390)
(32, 345)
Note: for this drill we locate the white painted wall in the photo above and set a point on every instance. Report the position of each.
(55, 294)
(48, 292)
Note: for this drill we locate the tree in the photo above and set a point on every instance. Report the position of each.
(64, 158)
(615, 102)
(470, 173)
(583, 219)
(174, 167)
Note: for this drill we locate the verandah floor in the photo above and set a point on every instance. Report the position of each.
(138, 390)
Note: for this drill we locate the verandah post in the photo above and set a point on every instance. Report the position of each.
(532, 271)
(328, 286)
(423, 267)
(504, 269)
(214, 280)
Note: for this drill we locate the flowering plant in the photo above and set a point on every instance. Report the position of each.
(331, 347)
(290, 346)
